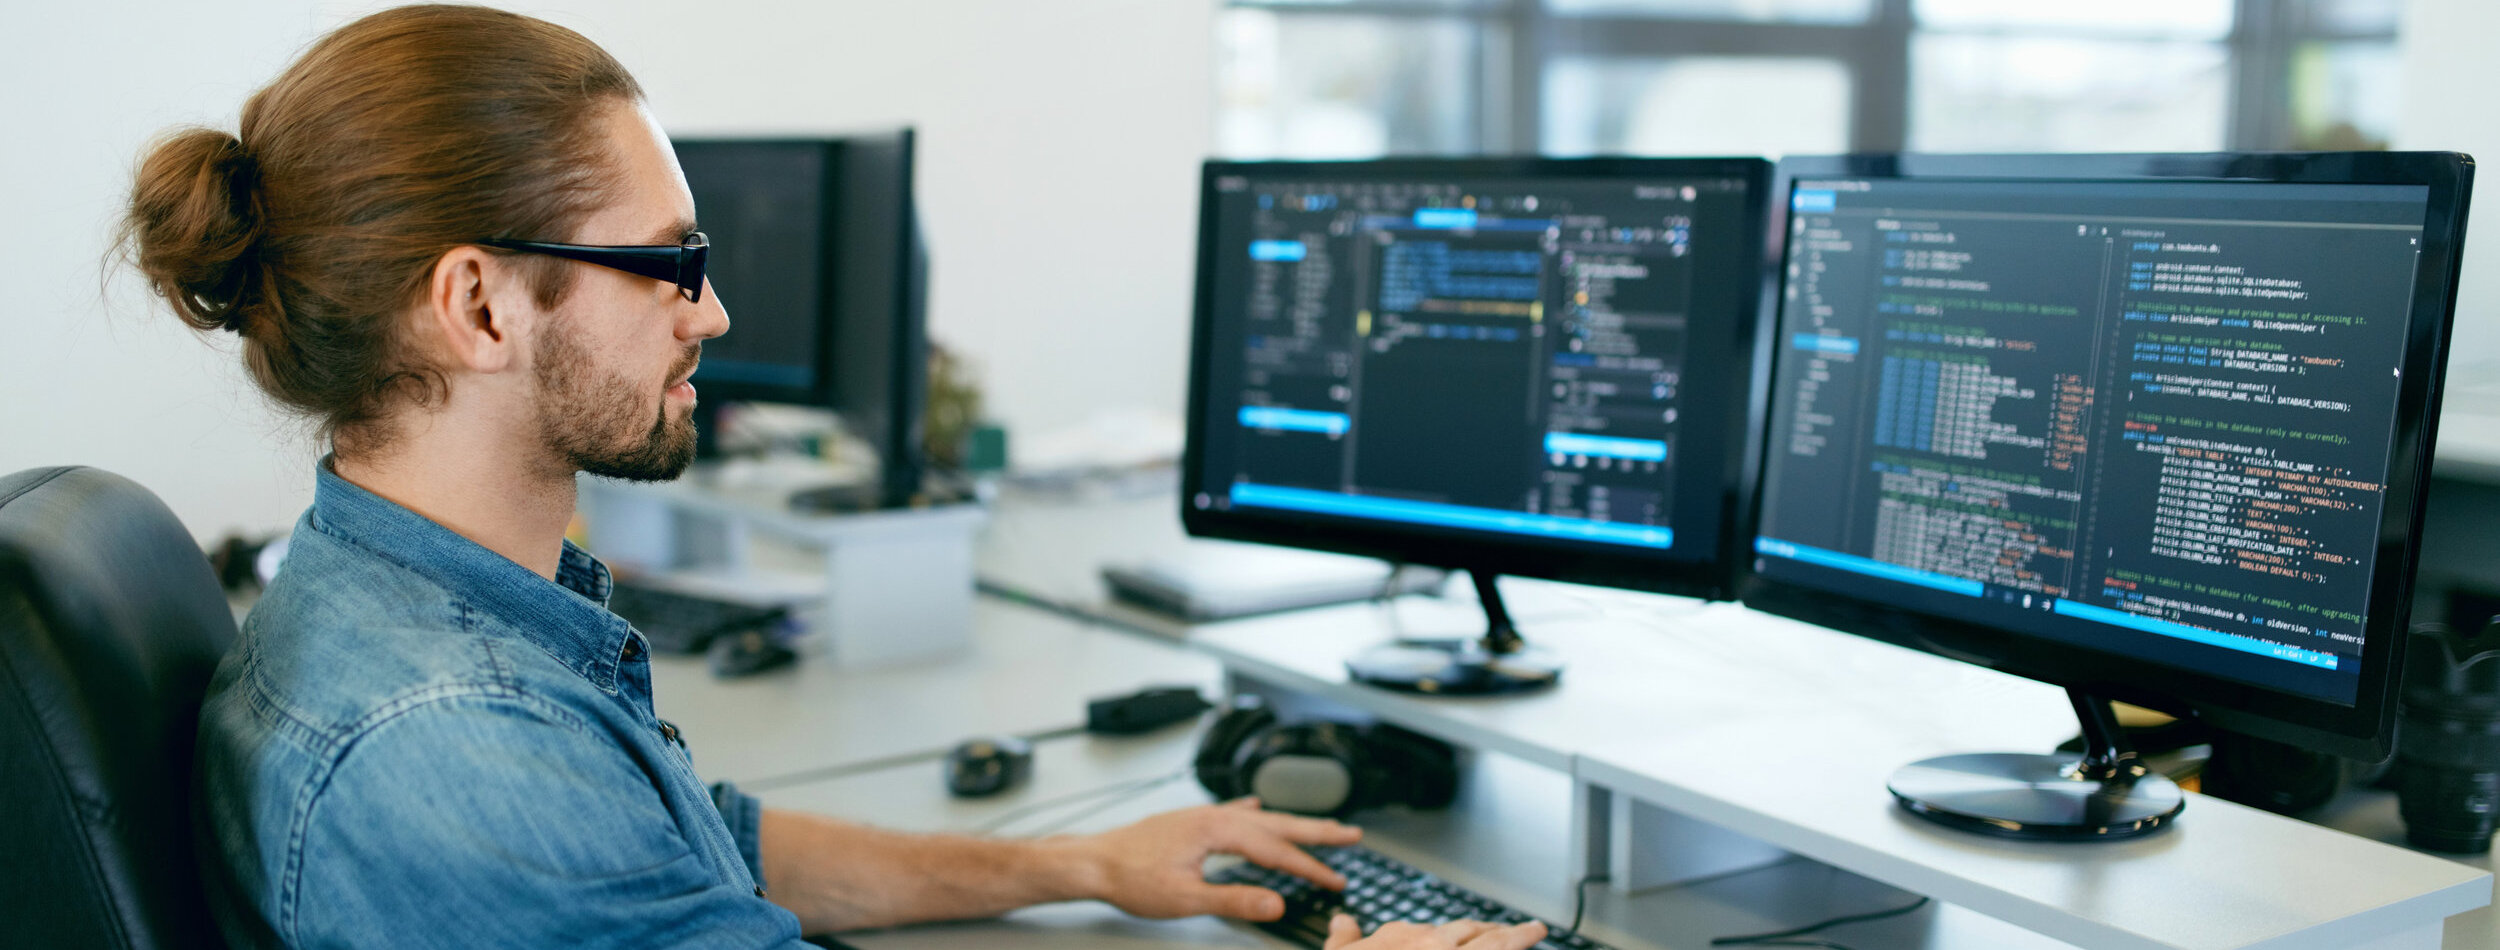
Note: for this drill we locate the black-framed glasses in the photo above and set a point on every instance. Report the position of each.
(680, 264)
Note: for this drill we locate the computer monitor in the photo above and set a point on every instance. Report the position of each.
(817, 252)
(2155, 428)
(1507, 366)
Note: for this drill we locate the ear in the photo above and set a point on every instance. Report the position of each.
(477, 310)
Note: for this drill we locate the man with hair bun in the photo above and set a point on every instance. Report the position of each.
(431, 731)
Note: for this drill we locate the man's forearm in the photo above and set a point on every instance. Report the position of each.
(839, 876)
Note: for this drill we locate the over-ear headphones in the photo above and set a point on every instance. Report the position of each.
(1322, 768)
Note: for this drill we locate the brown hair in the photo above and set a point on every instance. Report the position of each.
(393, 140)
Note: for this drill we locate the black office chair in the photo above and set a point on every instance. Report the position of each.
(110, 625)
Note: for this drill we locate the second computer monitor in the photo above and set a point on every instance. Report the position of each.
(2150, 427)
(817, 252)
(1530, 367)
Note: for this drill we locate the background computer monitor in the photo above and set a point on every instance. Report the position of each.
(817, 252)
(2154, 428)
(1509, 366)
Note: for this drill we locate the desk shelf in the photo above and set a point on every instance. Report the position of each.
(1783, 733)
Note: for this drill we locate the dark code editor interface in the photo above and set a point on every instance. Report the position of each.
(2148, 418)
(1509, 357)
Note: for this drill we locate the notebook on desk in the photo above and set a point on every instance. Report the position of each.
(1218, 580)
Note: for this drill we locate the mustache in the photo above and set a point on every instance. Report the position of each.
(684, 367)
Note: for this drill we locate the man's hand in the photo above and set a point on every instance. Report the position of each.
(1343, 934)
(1154, 868)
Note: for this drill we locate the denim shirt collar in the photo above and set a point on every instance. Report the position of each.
(568, 618)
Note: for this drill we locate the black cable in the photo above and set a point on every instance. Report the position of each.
(1000, 590)
(1580, 898)
(1781, 938)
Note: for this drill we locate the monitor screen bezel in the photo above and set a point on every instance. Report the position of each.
(2363, 730)
(1711, 576)
(816, 392)
(870, 362)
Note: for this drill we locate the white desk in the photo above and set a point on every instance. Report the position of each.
(1777, 728)
(1027, 672)
(1785, 732)
(1053, 550)
(1500, 838)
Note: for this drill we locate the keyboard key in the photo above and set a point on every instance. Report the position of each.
(1378, 889)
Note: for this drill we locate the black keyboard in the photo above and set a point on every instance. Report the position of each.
(1380, 889)
(684, 623)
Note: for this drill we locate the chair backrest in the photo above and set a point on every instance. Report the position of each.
(110, 626)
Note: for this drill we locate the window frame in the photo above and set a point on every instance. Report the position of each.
(1516, 40)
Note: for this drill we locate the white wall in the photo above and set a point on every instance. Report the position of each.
(2449, 75)
(1059, 152)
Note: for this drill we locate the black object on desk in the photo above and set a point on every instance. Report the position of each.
(2447, 773)
(1379, 889)
(1144, 711)
(1322, 767)
(685, 623)
(748, 652)
(979, 768)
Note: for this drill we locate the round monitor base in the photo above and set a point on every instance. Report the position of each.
(1454, 668)
(2036, 797)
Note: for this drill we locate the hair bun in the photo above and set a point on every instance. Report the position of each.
(195, 224)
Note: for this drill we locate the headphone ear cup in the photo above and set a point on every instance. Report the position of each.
(1309, 769)
(1409, 768)
(1219, 760)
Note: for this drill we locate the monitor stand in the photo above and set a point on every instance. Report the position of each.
(2109, 794)
(1498, 662)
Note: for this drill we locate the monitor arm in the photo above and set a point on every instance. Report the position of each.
(1500, 661)
(2107, 754)
(1500, 637)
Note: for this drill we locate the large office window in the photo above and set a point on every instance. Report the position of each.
(1359, 78)
(2114, 76)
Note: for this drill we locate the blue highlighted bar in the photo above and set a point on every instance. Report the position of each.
(1638, 450)
(725, 370)
(1812, 201)
(1451, 516)
(1277, 250)
(1826, 344)
(2228, 641)
(1460, 218)
(1295, 420)
(1870, 567)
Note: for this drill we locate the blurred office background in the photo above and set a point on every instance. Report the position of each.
(1061, 142)
(1353, 78)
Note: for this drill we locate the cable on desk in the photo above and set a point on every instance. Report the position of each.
(1077, 612)
(1788, 938)
(1132, 785)
(882, 763)
(1580, 898)
(1111, 801)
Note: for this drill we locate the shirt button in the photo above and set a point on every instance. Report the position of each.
(759, 890)
(632, 650)
(669, 731)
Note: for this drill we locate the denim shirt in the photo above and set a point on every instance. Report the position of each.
(417, 742)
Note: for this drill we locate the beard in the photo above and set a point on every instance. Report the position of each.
(594, 420)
